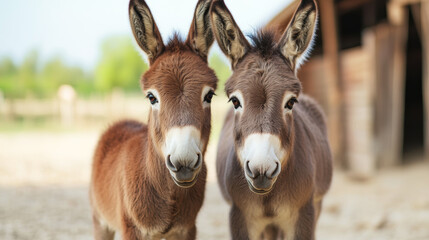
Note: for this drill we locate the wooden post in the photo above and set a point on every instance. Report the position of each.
(336, 118)
(359, 87)
(398, 17)
(67, 99)
(384, 109)
(425, 45)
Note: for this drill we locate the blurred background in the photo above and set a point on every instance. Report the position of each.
(68, 69)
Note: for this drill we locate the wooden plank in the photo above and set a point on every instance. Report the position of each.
(359, 76)
(336, 126)
(383, 114)
(398, 16)
(425, 45)
(355, 72)
(381, 127)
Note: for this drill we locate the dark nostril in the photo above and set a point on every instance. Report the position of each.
(276, 171)
(170, 165)
(248, 171)
(198, 163)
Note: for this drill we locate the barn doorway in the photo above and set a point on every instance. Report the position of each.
(413, 135)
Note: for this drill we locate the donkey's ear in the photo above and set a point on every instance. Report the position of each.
(145, 30)
(295, 44)
(200, 36)
(228, 35)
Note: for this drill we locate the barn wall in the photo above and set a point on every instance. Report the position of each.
(358, 76)
(311, 75)
(359, 79)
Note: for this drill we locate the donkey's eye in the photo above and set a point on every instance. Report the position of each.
(209, 96)
(235, 102)
(290, 103)
(152, 98)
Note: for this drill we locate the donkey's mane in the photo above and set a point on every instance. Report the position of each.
(264, 42)
(176, 43)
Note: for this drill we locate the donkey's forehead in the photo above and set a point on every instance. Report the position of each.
(256, 75)
(180, 71)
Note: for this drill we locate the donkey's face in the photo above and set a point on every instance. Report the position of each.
(179, 86)
(263, 90)
(180, 89)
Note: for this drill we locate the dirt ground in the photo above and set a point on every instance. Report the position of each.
(44, 185)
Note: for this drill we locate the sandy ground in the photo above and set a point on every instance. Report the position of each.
(44, 185)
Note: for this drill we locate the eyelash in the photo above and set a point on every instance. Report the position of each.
(209, 96)
(235, 102)
(152, 98)
(290, 103)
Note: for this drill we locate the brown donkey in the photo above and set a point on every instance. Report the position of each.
(148, 181)
(273, 161)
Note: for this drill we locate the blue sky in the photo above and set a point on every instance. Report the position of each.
(74, 29)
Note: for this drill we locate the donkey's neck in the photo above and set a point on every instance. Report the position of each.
(156, 171)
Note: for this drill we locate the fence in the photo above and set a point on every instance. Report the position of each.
(68, 109)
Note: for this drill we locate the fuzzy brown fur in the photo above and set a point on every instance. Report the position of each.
(263, 75)
(131, 188)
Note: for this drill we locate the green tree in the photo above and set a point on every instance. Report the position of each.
(120, 66)
(55, 73)
(17, 81)
(222, 70)
(7, 67)
(8, 80)
(28, 72)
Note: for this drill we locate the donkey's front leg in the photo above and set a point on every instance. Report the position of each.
(182, 234)
(305, 225)
(101, 232)
(237, 224)
(130, 231)
(186, 234)
(191, 234)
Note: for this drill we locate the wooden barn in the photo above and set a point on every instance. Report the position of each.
(370, 72)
